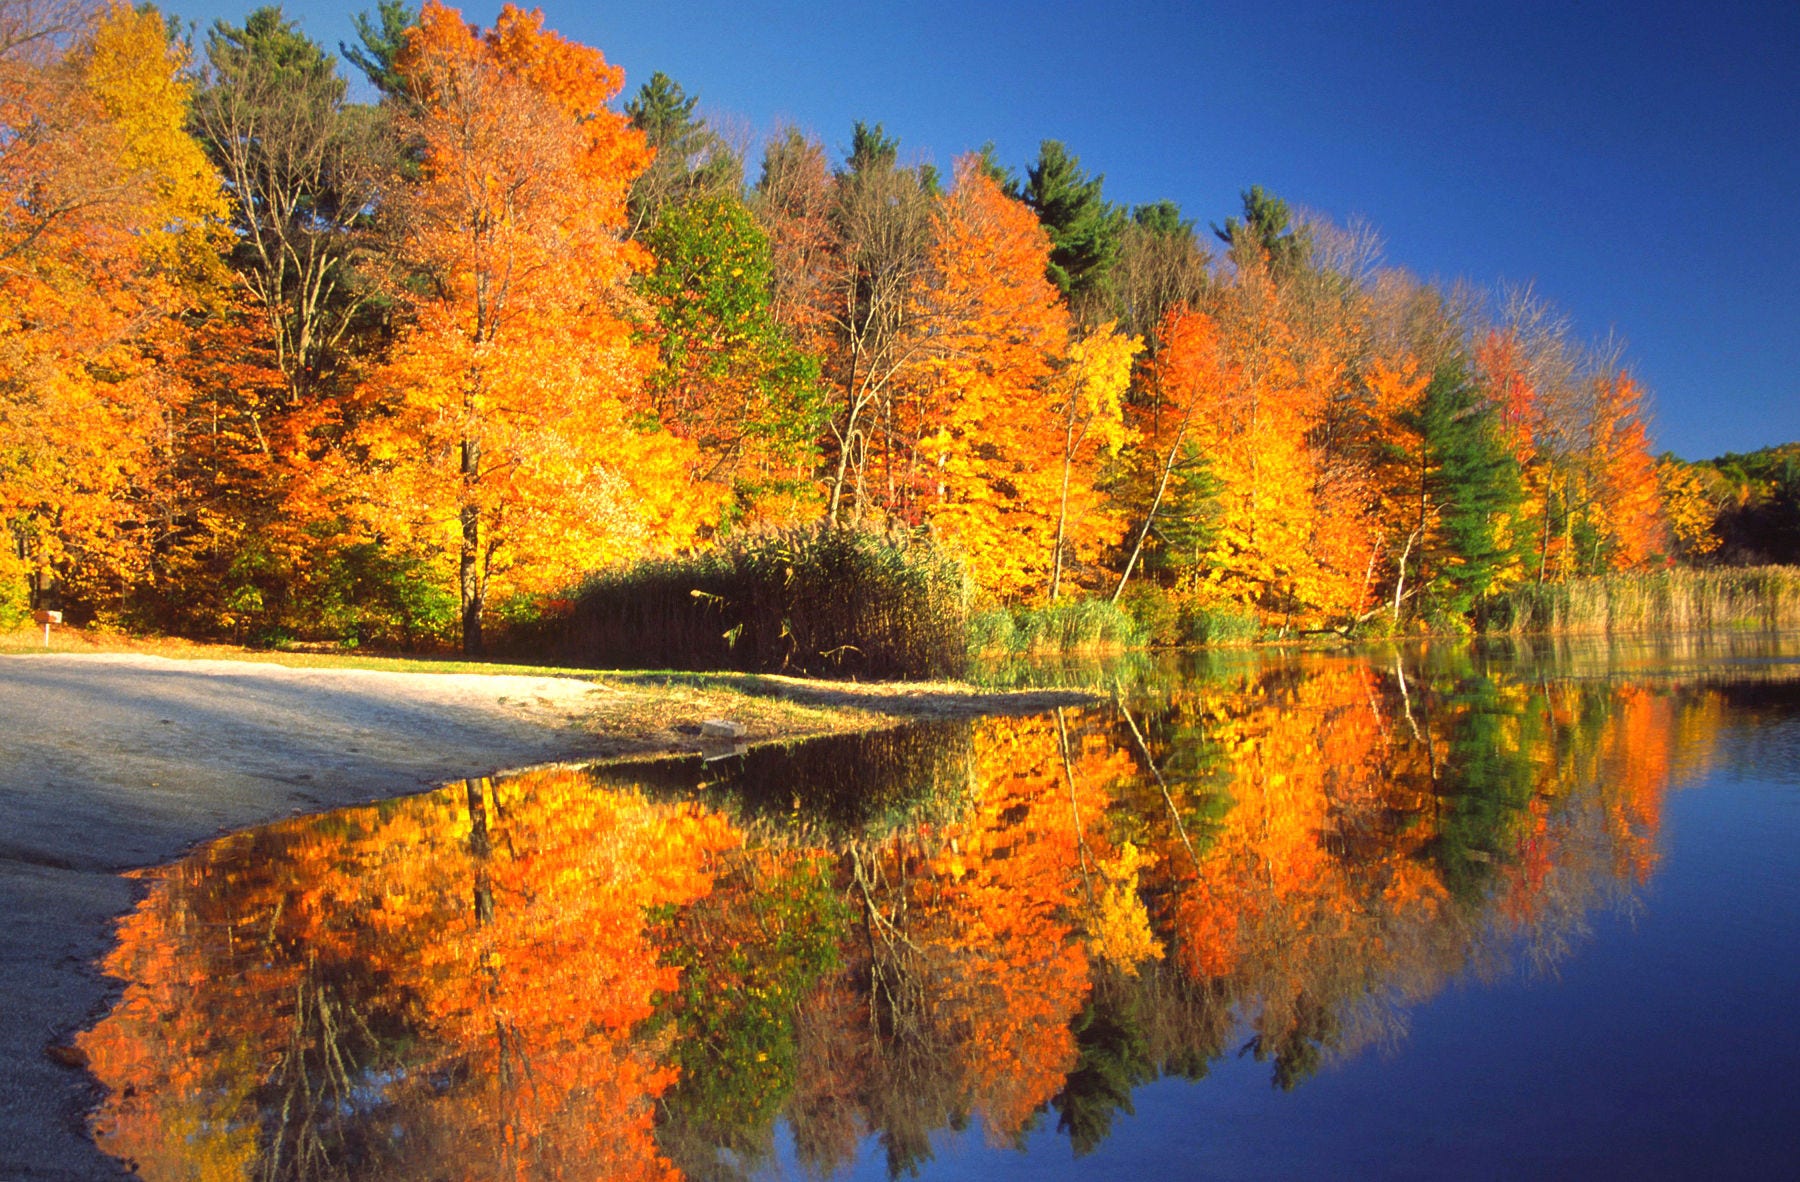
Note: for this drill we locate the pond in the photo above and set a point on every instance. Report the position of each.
(1447, 913)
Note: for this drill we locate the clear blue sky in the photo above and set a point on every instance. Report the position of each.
(1637, 162)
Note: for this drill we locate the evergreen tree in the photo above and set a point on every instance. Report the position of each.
(1472, 478)
(871, 149)
(1486, 781)
(1187, 523)
(382, 37)
(691, 161)
(987, 163)
(1114, 1058)
(1267, 232)
(1084, 230)
(304, 168)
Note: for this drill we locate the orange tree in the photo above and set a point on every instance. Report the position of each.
(1010, 418)
(506, 430)
(108, 215)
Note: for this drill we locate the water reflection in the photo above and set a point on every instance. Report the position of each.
(642, 972)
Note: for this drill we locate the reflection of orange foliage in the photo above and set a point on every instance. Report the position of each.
(540, 1001)
(998, 907)
(1309, 770)
(1525, 882)
(1635, 760)
(501, 927)
(1322, 882)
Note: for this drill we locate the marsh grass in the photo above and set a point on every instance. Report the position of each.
(1065, 627)
(1728, 599)
(825, 602)
(1219, 626)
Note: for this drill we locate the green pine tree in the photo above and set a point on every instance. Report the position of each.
(1472, 476)
(382, 37)
(692, 160)
(1084, 230)
(1266, 231)
(871, 149)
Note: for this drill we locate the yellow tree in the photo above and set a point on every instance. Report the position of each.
(506, 429)
(1690, 504)
(1010, 417)
(1091, 410)
(107, 215)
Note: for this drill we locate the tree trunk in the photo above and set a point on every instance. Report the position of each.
(1062, 524)
(1162, 486)
(1400, 579)
(846, 442)
(469, 557)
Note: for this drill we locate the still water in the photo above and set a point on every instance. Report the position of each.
(1446, 914)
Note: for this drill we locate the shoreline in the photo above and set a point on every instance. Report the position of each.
(120, 761)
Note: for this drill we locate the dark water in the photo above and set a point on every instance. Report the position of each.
(1453, 914)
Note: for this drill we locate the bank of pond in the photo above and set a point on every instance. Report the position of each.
(838, 603)
(865, 953)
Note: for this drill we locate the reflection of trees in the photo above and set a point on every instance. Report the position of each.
(548, 976)
(451, 979)
(968, 954)
(825, 788)
(749, 954)
(1387, 831)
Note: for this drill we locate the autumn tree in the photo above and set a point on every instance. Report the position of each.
(1255, 434)
(1089, 406)
(730, 379)
(793, 201)
(1689, 505)
(504, 429)
(109, 223)
(1628, 527)
(988, 432)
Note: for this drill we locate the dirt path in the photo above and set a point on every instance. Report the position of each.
(114, 762)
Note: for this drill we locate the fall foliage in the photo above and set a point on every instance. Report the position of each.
(277, 364)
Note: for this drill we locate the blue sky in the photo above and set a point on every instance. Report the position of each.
(1637, 163)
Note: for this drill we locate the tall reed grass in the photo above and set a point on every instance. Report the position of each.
(1743, 599)
(825, 602)
(1066, 626)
